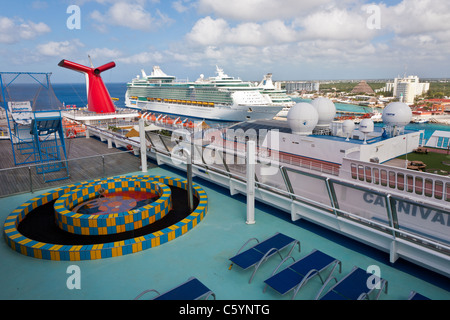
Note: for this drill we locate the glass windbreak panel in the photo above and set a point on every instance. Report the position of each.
(213, 158)
(376, 176)
(236, 163)
(114, 164)
(310, 187)
(16, 180)
(383, 176)
(392, 179)
(438, 189)
(368, 174)
(354, 171)
(424, 221)
(428, 187)
(400, 181)
(418, 185)
(271, 176)
(168, 142)
(362, 203)
(409, 183)
(360, 172)
(447, 192)
(156, 142)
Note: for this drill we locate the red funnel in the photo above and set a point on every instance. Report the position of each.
(99, 100)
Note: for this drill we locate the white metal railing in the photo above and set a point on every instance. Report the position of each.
(427, 186)
(24, 175)
(392, 227)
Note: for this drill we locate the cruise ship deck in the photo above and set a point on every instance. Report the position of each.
(204, 252)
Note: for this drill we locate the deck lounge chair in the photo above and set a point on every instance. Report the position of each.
(354, 286)
(259, 253)
(417, 296)
(192, 289)
(296, 275)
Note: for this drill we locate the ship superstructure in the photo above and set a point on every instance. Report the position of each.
(221, 97)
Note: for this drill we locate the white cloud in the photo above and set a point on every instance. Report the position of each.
(58, 49)
(104, 53)
(143, 58)
(130, 15)
(336, 24)
(208, 31)
(212, 32)
(259, 10)
(417, 17)
(181, 6)
(14, 30)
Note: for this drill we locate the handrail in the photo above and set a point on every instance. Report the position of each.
(341, 214)
(28, 166)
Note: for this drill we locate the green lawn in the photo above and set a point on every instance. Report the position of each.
(434, 161)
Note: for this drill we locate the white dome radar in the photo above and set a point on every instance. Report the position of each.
(326, 110)
(302, 118)
(397, 114)
(366, 126)
(347, 127)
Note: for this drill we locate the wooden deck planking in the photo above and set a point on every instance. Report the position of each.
(116, 162)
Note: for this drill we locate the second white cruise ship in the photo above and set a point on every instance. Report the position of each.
(220, 98)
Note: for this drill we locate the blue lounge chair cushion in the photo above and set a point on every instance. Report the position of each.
(253, 255)
(247, 258)
(354, 285)
(418, 296)
(293, 275)
(284, 281)
(316, 260)
(333, 296)
(278, 241)
(191, 290)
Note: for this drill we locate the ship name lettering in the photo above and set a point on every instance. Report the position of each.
(410, 209)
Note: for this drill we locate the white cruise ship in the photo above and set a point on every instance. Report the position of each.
(277, 96)
(221, 97)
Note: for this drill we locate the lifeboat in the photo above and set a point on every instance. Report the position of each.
(177, 122)
(188, 124)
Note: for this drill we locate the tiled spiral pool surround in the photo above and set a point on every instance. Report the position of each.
(88, 224)
(41, 250)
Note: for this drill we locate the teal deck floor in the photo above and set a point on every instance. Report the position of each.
(203, 252)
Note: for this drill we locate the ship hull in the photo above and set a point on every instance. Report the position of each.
(218, 112)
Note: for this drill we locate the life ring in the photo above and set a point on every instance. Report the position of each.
(71, 133)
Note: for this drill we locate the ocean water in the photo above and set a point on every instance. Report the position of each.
(75, 94)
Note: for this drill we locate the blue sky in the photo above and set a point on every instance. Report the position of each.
(293, 39)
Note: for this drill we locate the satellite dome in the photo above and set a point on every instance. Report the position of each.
(366, 126)
(397, 114)
(302, 118)
(347, 127)
(326, 110)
